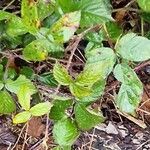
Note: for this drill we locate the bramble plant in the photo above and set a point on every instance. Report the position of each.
(42, 30)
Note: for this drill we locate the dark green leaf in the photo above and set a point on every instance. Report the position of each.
(65, 132)
(85, 118)
(58, 110)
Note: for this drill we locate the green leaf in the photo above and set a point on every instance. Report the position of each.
(65, 132)
(13, 24)
(33, 12)
(58, 110)
(27, 71)
(114, 30)
(61, 75)
(1, 85)
(144, 4)
(41, 109)
(40, 48)
(48, 79)
(79, 91)
(92, 12)
(14, 86)
(128, 100)
(29, 15)
(7, 105)
(45, 9)
(100, 61)
(133, 47)
(87, 77)
(96, 91)
(85, 118)
(15, 27)
(65, 27)
(24, 96)
(22, 117)
(131, 90)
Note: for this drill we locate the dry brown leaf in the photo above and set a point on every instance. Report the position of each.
(36, 127)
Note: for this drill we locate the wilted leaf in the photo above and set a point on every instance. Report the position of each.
(24, 96)
(7, 105)
(41, 109)
(133, 47)
(36, 127)
(22, 117)
(86, 119)
(58, 110)
(65, 132)
(14, 86)
(65, 27)
(61, 75)
(144, 4)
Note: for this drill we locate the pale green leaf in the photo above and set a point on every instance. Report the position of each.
(144, 4)
(131, 90)
(100, 61)
(126, 74)
(24, 96)
(58, 110)
(127, 99)
(7, 104)
(65, 132)
(65, 27)
(79, 91)
(85, 118)
(61, 75)
(96, 91)
(22, 117)
(14, 86)
(41, 109)
(133, 47)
